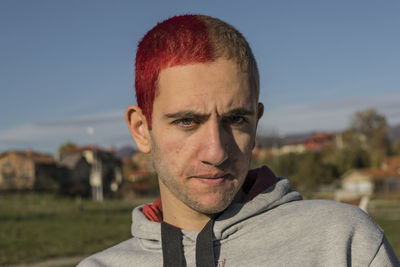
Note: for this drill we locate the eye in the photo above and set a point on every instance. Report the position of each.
(236, 120)
(185, 123)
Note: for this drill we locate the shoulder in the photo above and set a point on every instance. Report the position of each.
(325, 222)
(332, 214)
(334, 232)
(348, 225)
(108, 256)
(338, 225)
(121, 254)
(328, 206)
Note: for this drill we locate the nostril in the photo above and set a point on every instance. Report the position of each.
(214, 155)
(213, 150)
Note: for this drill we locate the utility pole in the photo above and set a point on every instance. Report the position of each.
(96, 178)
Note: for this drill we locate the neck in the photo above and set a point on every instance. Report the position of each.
(176, 213)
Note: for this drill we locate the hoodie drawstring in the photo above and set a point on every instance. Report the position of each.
(171, 240)
(172, 248)
(204, 246)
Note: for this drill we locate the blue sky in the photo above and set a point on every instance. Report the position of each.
(67, 67)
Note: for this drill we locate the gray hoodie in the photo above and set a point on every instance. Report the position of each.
(275, 228)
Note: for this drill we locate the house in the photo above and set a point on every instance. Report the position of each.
(91, 170)
(391, 164)
(358, 185)
(295, 147)
(296, 144)
(365, 182)
(317, 141)
(75, 180)
(28, 170)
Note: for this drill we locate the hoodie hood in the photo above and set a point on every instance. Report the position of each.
(264, 191)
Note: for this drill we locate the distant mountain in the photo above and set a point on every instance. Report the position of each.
(272, 141)
(125, 152)
(297, 138)
(278, 141)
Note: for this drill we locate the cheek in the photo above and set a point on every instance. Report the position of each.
(244, 143)
(174, 153)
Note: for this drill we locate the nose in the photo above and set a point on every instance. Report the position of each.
(213, 150)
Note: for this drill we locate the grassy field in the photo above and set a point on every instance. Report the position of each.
(36, 227)
(387, 214)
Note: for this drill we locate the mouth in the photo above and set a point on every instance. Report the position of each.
(212, 179)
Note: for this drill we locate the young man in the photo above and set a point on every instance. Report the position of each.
(197, 90)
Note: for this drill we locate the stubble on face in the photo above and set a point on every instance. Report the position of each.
(182, 193)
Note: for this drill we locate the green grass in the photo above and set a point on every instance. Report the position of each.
(386, 212)
(392, 232)
(35, 227)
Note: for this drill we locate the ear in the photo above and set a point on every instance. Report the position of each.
(137, 124)
(260, 111)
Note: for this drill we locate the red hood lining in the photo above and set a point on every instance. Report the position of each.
(257, 181)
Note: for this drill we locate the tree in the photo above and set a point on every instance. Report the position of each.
(374, 128)
(67, 146)
(368, 122)
(396, 148)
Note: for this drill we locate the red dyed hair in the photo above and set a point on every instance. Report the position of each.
(182, 40)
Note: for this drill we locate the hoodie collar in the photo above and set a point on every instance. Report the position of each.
(256, 181)
(264, 191)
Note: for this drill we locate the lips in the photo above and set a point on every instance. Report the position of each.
(211, 176)
(212, 179)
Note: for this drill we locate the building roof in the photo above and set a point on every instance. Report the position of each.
(70, 160)
(320, 137)
(377, 174)
(392, 164)
(316, 141)
(36, 157)
(374, 174)
(91, 148)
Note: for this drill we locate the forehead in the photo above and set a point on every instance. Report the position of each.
(220, 84)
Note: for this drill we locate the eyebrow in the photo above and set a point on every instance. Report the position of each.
(186, 114)
(239, 112)
(194, 114)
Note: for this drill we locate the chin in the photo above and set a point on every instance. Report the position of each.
(214, 205)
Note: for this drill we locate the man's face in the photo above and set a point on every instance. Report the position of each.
(203, 127)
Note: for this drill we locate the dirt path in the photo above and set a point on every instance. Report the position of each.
(57, 262)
